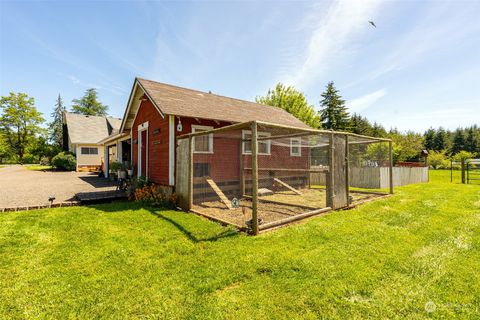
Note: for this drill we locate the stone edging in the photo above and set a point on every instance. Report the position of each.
(44, 206)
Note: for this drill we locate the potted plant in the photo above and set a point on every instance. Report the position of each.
(129, 169)
(116, 169)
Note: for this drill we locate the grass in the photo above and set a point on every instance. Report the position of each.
(37, 167)
(414, 255)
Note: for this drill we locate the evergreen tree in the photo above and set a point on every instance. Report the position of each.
(294, 102)
(56, 126)
(472, 140)
(360, 125)
(429, 139)
(89, 104)
(458, 143)
(333, 111)
(441, 141)
(378, 130)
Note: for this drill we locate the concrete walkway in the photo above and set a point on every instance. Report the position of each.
(22, 187)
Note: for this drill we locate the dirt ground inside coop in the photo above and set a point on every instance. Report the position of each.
(279, 206)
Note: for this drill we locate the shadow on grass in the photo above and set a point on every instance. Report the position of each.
(188, 231)
(190, 235)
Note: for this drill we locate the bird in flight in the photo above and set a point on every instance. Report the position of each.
(372, 23)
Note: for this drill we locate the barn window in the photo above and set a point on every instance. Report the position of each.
(295, 149)
(88, 150)
(201, 170)
(263, 145)
(202, 144)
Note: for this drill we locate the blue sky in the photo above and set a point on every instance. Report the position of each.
(419, 68)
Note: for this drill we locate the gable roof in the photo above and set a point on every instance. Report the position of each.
(90, 129)
(173, 100)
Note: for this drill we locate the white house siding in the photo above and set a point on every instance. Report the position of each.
(89, 160)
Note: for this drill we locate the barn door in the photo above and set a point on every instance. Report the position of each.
(144, 151)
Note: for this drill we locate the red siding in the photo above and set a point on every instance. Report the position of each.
(157, 142)
(224, 161)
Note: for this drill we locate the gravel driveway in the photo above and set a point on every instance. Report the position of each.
(22, 187)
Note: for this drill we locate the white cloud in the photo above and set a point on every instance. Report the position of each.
(364, 102)
(74, 79)
(332, 37)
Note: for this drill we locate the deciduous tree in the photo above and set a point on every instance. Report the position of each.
(294, 102)
(20, 121)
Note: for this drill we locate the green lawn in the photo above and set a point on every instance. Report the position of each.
(395, 258)
(37, 167)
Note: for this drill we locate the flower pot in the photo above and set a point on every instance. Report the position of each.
(121, 174)
(130, 172)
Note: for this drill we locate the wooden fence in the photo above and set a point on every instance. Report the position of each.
(377, 178)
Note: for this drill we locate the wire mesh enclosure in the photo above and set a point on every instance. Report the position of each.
(258, 175)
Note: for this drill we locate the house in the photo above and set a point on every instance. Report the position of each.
(157, 113)
(82, 136)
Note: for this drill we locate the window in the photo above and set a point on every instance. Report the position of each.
(201, 170)
(88, 150)
(295, 147)
(263, 145)
(202, 144)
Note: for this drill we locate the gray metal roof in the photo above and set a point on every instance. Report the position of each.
(90, 129)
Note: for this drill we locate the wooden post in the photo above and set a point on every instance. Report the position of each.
(190, 172)
(463, 170)
(242, 171)
(468, 173)
(254, 179)
(390, 165)
(451, 170)
(347, 170)
(331, 160)
(309, 165)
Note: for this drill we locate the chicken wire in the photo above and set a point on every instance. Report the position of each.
(293, 172)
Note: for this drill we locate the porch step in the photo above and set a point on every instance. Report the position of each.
(100, 196)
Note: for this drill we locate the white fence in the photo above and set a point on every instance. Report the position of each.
(377, 177)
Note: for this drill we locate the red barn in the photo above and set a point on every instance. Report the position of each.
(158, 113)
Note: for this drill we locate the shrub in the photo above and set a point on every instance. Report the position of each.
(438, 160)
(44, 161)
(64, 161)
(156, 196)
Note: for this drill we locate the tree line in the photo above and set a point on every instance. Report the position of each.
(26, 137)
(407, 146)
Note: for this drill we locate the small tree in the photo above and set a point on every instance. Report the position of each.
(20, 121)
(56, 126)
(438, 159)
(409, 144)
(89, 104)
(294, 102)
(333, 111)
(463, 155)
